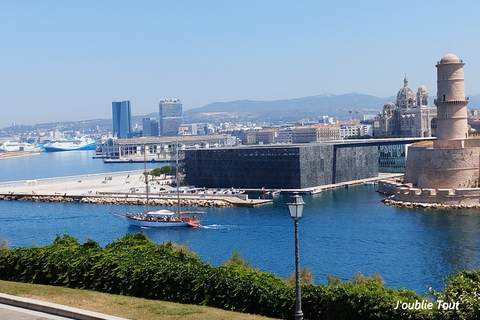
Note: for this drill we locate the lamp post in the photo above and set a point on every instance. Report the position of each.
(295, 206)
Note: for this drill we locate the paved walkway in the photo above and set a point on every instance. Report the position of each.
(19, 308)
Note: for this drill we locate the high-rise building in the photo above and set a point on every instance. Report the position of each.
(150, 127)
(170, 111)
(121, 114)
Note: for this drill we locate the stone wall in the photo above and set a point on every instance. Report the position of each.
(442, 168)
(407, 195)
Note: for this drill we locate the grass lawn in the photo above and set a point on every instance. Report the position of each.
(120, 306)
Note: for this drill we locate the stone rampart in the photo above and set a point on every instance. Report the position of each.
(442, 168)
(408, 196)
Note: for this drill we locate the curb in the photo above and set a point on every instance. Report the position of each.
(53, 308)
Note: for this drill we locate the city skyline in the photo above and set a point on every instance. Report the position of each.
(68, 60)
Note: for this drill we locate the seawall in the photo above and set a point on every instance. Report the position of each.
(405, 195)
(118, 200)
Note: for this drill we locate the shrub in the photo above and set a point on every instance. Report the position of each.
(133, 265)
(463, 288)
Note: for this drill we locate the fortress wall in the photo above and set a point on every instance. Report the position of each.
(406, 196)
(413, 164)
(442, 168)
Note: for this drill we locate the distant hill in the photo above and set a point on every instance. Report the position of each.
(341, 107)
(337, 106)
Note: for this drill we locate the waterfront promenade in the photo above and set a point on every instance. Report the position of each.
(114, 188)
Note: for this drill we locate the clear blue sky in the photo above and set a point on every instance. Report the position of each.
(68, 60)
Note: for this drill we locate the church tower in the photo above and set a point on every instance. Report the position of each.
(452, 126)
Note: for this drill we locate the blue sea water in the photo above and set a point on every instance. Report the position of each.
(342, 231)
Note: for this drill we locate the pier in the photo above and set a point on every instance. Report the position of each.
(326, 187)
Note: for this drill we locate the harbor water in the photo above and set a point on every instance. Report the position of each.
(342, 231)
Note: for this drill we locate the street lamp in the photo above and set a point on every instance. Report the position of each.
(295, 206)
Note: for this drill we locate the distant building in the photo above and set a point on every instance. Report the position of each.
(170, 111)
(326, 120)
(160, 148)
(188, 129)
(121, 115)
(315, 133)
(150, 127)
(266, 136)
(355, 130)
(410, 116)
(284, 136)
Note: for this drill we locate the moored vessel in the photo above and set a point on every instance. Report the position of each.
(83, 143)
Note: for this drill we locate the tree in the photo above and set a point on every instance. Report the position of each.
(306, 276)
(4, 244)
(163, 170)
(237, 260)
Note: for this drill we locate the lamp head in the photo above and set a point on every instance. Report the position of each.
(295, 206)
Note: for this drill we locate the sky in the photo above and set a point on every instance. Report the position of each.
(68, 60)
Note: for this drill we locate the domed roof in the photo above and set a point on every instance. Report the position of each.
(389, 108)
(422, 89)
(389, 104)
(449, 58)
(405, 93)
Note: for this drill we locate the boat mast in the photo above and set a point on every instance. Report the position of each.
(145, 172)
(178, 184)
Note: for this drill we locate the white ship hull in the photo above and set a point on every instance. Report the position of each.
(84, 143)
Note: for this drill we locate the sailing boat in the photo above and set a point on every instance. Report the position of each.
(161, 218)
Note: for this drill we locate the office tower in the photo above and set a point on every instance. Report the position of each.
(150, 127)
(170, 111)
(121, 115)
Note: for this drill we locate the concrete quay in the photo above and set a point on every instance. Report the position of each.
(318, 189)
(16, 154)
(15, 308)
(112, 188)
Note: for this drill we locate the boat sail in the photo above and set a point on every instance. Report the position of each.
(161, 218)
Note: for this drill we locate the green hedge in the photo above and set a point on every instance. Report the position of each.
(133, 265)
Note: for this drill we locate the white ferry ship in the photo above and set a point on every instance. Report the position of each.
(83, 143)
(9, 146)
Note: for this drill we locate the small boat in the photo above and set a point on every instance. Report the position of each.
(161, 218)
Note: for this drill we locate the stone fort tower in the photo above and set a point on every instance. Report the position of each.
(453, 162)
(452, 126)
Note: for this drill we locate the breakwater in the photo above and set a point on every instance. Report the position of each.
(119, 200)
(425, 205)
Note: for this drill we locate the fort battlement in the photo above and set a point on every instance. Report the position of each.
(407, 195)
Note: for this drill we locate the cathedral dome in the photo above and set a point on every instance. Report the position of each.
(405, 93)
(406, 98)
(449, 58)
(389, 108)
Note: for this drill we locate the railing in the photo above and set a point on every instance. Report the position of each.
(440, 101)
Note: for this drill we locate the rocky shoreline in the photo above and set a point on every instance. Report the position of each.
(118, 200)
(423, 205)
